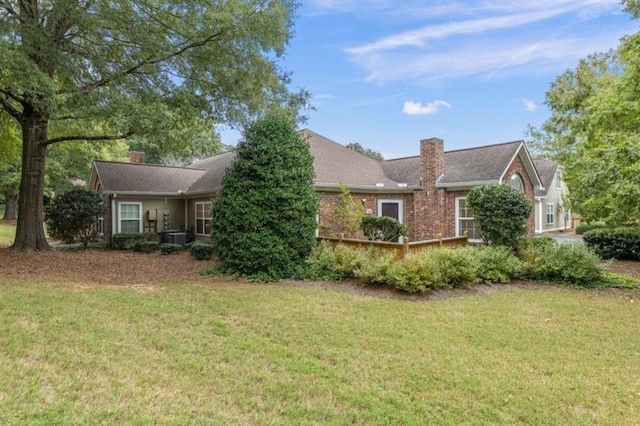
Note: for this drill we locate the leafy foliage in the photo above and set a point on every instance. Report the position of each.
(145, 246)
(171, 71)
(593, 132)
(126, 240)
(502, 212)
(616, 243)
(170, 248)
(382, 228)
(201, 251)
(354, 146)
(344, 219)
(72, 216)
(264, 219)
(567, 263)
(585, 227)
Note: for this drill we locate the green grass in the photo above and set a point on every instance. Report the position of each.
(7, 234)
(72, 353)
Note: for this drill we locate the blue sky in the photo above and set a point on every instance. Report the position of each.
(387, 73)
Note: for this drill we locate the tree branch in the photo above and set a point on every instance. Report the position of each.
(11, 110)
(88, 138)
(152, 61)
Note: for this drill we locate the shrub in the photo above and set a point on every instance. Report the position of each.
(456, 266)
(584, 227)
(201, 251)
(615, 243)
(566, 263)
(495, 264)
(374, 269)
(168, 248)
(344, 219)
(382, 228)
(144, 246)
(71, 217)
(501, 211)
(126, 240)
(264, 219)
(415, 274)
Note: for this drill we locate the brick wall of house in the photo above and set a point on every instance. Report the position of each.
(329, 200)
(518, 167)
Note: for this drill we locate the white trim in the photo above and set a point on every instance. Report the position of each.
(114, 219)
(400, 204)
(553, 214)
(457, 219)
(203, 219)
(139, 204)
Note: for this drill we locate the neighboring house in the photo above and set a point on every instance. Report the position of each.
(550, 211)
(426, 192)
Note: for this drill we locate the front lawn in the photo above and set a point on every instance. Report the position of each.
(7, 233)
(214, 352)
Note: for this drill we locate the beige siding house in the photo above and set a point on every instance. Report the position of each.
(551, 212)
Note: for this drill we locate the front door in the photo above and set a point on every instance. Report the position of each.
(391, 208)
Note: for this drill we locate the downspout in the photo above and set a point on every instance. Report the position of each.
(113, 214)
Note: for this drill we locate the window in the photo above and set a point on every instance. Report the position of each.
(130, 217)
(550, 214)
(465, 221)
(203, 218)
(558, 179)
(516, 182)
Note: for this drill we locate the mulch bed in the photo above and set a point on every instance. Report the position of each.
(137, 270)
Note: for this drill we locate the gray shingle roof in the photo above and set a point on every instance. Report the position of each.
(486, 163)
(334, 163)
(547, 171)
(144, 178)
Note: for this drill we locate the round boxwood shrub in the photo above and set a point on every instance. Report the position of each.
(201, 251)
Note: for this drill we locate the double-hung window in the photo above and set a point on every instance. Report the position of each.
(550, 214)
(130, 217)
(203, 218)
(465, 221)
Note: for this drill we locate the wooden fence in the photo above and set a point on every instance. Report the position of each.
(404, 248)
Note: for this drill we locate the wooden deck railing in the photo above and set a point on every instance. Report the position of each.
(402, 249)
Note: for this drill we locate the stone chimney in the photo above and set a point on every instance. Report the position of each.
(136, 157)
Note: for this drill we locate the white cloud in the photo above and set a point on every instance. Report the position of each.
(416, 108)
(504, 38)
(529, 105)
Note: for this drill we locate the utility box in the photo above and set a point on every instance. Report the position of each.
(179, 238)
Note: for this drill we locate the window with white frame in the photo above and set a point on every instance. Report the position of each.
(550, 214)
(465, 221)
(129, 217)
(516, 182)
(558, 179)
(203, 218)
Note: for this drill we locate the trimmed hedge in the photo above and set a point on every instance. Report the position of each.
(202, 251)
(126, 240)
(585, 227)
(144, 246)
(614, 243)
(169, 248)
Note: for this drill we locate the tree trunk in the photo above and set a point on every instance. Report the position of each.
(10, 200)
(30, 228)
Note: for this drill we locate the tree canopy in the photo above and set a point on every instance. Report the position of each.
(594, 132)
(355, 146)
(96, 71)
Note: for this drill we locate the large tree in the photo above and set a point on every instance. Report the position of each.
(594, 132)
(112, 70)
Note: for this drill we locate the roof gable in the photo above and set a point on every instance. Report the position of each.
(547, 171)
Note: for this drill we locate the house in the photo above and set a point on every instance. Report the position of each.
(426, 192)
(550, 211)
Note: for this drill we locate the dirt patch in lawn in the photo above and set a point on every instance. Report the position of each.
(148, 272)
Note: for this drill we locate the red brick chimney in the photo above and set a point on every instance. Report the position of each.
(136, 157)
(429, 203)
